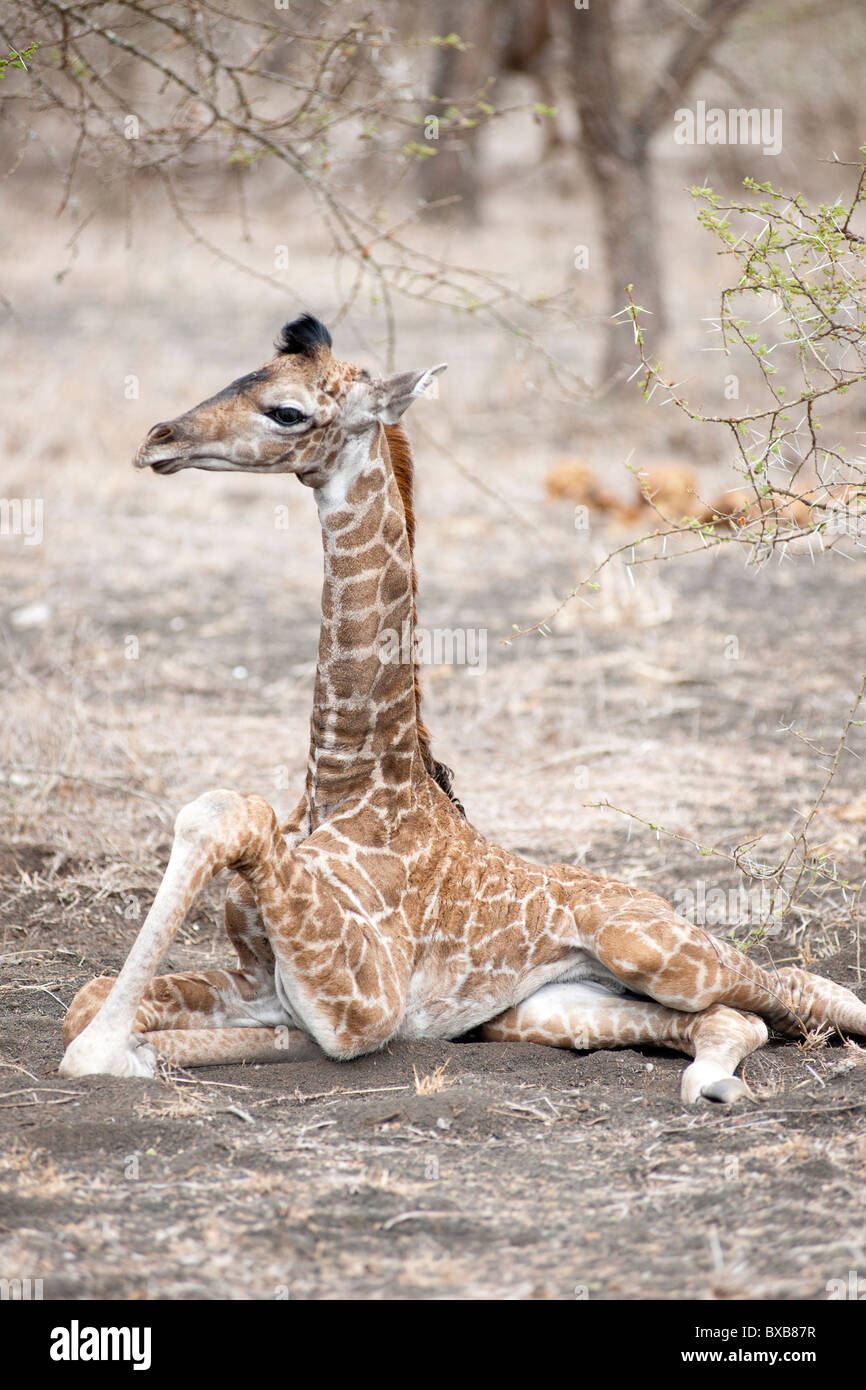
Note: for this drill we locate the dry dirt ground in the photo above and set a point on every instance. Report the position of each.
(160, 641)
(528, 1173)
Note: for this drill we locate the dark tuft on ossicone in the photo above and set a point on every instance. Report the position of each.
(304, 335)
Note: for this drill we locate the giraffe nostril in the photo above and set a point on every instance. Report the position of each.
(160, 434)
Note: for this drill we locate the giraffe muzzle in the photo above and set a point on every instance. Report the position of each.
(161, 449)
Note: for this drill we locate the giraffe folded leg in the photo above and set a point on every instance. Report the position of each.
(218, 830)
(209, 1047)
(188, 999)
(244, 924)
(199, 1018)
(588, 1016)
(655, 952)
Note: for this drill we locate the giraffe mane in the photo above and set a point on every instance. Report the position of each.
(403, 469)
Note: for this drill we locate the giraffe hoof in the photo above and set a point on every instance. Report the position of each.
(727, 1091)
(86, 1057)
(708, 1080)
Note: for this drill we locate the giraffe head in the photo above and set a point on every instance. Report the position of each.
(296, 414)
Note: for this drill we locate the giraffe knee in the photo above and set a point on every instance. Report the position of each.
(203, 820)
(730, 1034)
(85, 1006)
(755, 1031)
(227, 825)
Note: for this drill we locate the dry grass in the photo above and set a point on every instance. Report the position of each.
(435, 1082)
(32, 1173)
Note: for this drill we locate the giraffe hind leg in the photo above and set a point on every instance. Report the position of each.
(587, 1016)
(821, 1003)
(188, 999)
(657, 953)
(210, 1047)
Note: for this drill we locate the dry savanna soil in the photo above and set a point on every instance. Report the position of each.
(433, 1169)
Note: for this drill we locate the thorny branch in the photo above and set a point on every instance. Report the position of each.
(803, 271)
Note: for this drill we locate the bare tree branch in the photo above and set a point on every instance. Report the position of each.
(701, 33)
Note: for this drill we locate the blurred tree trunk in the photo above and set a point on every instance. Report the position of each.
(615, 145)
(501, 36)
(460, 74)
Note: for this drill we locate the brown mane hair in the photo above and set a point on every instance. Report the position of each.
(403, 469)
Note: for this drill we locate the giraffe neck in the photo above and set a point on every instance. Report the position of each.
(363, 731)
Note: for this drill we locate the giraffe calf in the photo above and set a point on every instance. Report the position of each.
(377, 910)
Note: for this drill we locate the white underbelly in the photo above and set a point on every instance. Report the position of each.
(441, 1005)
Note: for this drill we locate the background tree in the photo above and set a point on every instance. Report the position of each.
(490, 40)
(578, 54)
(616, 130)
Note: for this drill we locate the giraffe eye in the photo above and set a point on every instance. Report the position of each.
(286, 415)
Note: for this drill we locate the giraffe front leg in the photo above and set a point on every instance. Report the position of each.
(244, 924)
(219, 829)
(588, 1016)
(183, 1013)
(343, 976)
(187, 999)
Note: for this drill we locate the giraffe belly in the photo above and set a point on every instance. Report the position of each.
(447, 1000)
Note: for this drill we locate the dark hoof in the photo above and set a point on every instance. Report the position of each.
(727, 1091)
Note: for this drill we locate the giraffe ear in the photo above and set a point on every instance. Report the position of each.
(393, 395)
